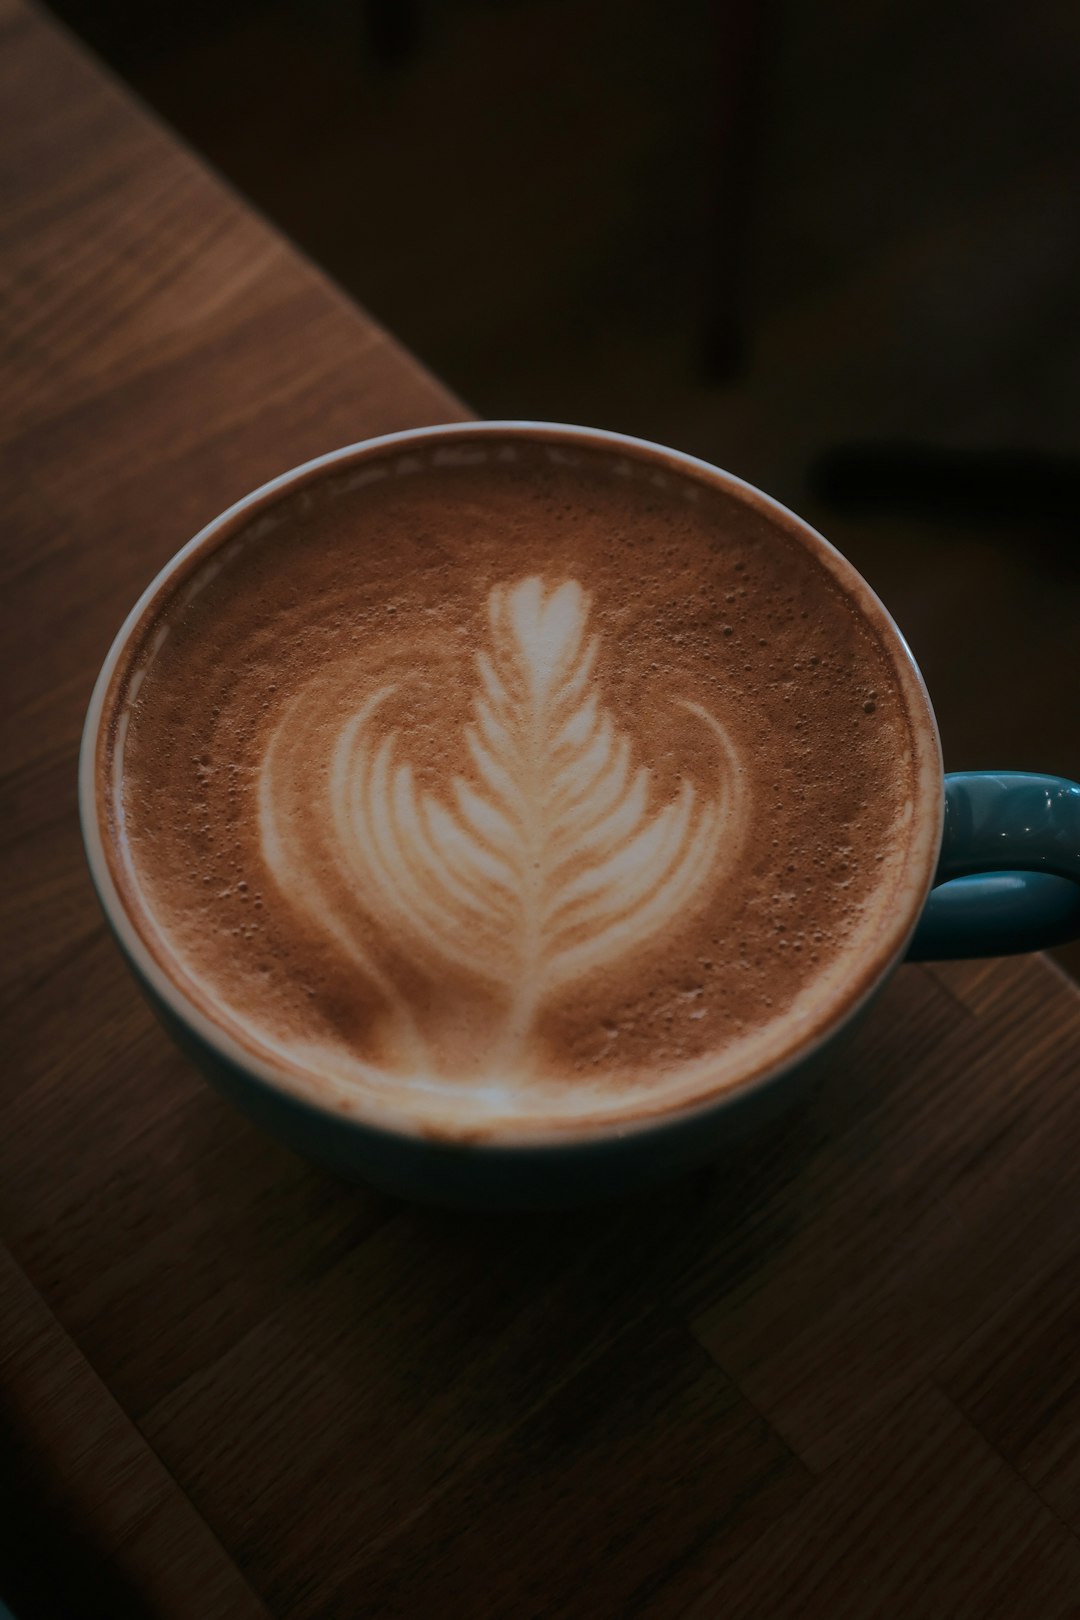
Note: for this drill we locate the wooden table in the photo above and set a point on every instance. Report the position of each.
(839, 1376)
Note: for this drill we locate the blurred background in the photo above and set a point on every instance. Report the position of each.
(834, 248)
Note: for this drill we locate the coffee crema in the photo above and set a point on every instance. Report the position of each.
(510, 781)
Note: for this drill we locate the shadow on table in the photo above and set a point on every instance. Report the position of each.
(605, 1265)
(51, 1565)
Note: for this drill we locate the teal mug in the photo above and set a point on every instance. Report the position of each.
(997, 870)
(1008, 875)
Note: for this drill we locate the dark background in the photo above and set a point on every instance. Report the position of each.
(833, 247)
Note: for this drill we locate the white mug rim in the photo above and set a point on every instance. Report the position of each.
(890, 946)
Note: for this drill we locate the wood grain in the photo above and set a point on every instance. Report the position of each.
(834, 1375)
(77, 1472)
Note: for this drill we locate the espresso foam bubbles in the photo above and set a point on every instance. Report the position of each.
(512, 781)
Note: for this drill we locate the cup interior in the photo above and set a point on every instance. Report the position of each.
(102, 757)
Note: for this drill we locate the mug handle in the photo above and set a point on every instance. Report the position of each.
(1008, 879)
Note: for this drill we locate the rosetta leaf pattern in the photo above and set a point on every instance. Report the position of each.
(548, 859)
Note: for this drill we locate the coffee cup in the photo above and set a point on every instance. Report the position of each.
(511, 814)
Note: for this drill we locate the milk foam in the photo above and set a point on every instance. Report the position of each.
(544, 859)
(511, 782)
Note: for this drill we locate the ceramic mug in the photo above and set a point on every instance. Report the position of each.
(998, 871)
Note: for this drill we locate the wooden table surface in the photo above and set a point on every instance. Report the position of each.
(838, 1375)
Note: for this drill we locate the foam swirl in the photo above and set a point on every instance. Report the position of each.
(544, 860)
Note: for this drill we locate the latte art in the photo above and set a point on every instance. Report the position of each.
(500, 783)
(545, 859)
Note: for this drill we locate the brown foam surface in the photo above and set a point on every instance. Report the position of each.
(508, 782)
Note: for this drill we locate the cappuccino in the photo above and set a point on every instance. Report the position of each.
(511, 782)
